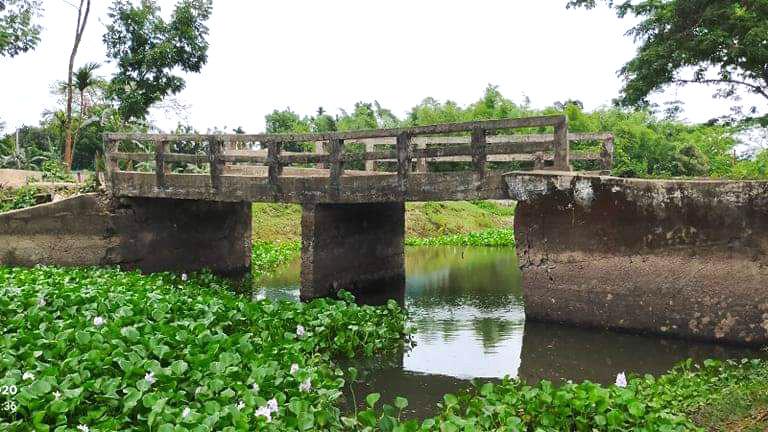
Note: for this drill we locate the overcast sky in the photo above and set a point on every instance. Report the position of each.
(271, 54)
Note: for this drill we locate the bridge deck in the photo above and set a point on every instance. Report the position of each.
(297, 187)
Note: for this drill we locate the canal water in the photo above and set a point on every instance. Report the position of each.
(467, 306)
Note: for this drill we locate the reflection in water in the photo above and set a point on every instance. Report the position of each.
(466, 304)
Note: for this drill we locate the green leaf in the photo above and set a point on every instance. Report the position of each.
(372, 398)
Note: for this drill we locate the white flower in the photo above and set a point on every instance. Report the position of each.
(255, 388)
(305, 386)
(41, 302)
(260, 296)
(28, 376)
(83, 428)
(240, 405)
(57, 395)
(186, 412)
(184, 277)
(264, 412)
(272, 405)
(300, 331)
(294, 369)
(150, 377)
(621, 380)
(99, 321)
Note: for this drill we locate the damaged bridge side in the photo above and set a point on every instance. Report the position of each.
(683, 258)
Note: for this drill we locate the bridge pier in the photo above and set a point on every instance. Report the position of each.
(355, 247)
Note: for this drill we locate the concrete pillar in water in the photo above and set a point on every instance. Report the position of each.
(355, 247)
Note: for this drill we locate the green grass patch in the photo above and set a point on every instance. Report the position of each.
(490, 237)
(276, 222)
(282, 222)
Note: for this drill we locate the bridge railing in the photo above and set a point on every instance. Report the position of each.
(602, 155)
(481, 142)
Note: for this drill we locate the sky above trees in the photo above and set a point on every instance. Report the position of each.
(301, 54)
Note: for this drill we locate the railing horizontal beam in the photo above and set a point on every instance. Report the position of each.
(488, 125)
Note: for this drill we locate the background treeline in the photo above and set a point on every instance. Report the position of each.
(646, 144)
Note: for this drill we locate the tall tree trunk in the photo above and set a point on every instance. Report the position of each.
(82, 19)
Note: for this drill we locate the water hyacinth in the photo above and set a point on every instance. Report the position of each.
(272, 405)
(300, 331)
(83, 428)
(149, 331)
(264, 412)
(621, 380)
(305, 386)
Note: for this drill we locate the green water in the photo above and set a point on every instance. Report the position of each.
(467, 305)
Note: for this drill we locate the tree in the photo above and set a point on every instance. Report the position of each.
(19, 31)
(85, 79)
(719, 43)
(148, 50)
(82, 19)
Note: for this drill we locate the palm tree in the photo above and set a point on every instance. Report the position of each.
(84, 79)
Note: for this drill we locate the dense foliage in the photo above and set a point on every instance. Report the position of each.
(15, 199)
(19, 29)
(115, 350)
(149, 51)
(666, 403)
(711, 42)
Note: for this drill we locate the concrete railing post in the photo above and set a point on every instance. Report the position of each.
(161, 148)
(606, 155)
(336, 165)
(403, 160)
(370, 165)
(562, 148)
(217, 165)
(479, 151)
(421, 162)
(274, 167)
(319, 149)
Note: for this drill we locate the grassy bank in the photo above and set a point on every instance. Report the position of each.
(282, 222)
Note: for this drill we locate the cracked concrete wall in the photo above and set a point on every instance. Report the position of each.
(147, 234)
(681, 258)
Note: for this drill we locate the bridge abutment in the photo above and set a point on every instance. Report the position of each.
(149, 234)
(355, 247)
(682, 258)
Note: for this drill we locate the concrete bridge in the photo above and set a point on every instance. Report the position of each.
(353, 220)
(679, 257)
